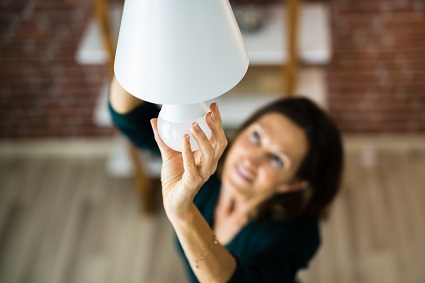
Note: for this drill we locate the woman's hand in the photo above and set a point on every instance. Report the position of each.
(183, 173)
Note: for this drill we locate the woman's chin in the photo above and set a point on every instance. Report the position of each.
(235, 185)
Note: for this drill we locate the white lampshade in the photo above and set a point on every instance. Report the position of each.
(179, 53)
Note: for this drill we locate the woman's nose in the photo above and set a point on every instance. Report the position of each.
(254, 158)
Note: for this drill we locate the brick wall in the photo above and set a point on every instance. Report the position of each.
(376, 79)
(43, 91)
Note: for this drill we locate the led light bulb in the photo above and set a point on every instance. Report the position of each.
(176, 120)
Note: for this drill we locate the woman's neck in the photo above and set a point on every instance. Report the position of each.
(237, 205)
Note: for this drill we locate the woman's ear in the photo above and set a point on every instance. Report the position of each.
(293, 187)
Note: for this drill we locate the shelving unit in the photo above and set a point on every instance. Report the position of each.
(265, 48)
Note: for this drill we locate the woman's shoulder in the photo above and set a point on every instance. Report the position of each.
(135, 125)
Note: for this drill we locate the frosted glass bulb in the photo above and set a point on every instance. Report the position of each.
(176, 120)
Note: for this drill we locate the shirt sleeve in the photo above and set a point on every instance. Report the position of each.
(135, 125)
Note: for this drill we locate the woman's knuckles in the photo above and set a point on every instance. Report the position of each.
(209, 155)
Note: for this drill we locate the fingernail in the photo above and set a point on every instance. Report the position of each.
(213, 117)
(197, 128)
(188, 138)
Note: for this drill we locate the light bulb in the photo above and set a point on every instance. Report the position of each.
(176, 120)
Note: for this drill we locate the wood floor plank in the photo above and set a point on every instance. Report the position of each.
(10, 183)
(166, 254)
(395, 184)
(145, 248)
(71, 213)
(35, 210)
(15, 173)
(10, 243)
(379, 267)
(411, 247)
(123, 231)
(90, 245)
(62, 176)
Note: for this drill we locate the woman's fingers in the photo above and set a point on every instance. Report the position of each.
(191, 177)
(214, 109)
(215, 124)
(206, 150)
(210, 150)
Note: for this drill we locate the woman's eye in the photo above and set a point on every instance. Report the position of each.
(255, 137)
(276, 161)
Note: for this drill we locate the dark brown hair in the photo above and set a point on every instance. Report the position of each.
(322, 166)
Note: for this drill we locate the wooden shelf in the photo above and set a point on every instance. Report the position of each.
(265, 47)
(268, 46)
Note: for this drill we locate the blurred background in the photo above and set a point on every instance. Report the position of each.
(79, 204)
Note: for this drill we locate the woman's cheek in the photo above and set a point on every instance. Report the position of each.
(241, 148)
(243, 144)
(268, 179)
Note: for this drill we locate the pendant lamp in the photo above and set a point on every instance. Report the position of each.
(179, 53)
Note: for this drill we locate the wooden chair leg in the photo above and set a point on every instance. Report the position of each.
(102, 12)
(142, 184)
(291, 70)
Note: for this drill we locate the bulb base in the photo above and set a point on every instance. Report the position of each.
(174, 121)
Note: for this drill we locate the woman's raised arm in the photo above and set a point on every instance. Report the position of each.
(122, 101)
(182, 175)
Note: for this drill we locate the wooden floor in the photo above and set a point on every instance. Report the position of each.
(63, 220)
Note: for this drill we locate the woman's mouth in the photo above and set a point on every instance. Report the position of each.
(242, 172)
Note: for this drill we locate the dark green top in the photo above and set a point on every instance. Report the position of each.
(268, 251)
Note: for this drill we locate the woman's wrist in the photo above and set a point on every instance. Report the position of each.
(181, 216)
(210, 261)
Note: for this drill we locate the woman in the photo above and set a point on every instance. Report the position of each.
(257, 219)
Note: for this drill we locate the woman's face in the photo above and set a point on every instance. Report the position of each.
(264, 158)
